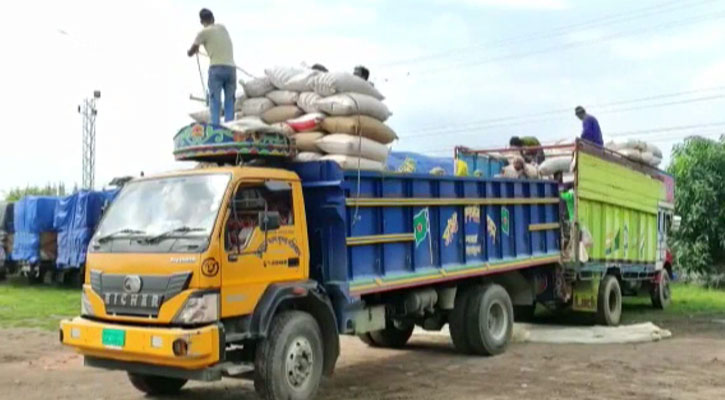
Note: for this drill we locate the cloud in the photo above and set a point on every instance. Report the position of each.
(514, 4)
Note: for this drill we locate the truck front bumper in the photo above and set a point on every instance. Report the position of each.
(149, 346)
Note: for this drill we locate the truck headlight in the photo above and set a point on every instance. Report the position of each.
(199, 309)
(86, 307)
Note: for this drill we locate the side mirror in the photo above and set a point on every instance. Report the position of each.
(676, 221)
(269, 221)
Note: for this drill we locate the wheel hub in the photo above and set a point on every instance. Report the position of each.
(497, 321)
(298, 363)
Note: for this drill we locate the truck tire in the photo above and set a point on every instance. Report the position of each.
(367, 339)
(156, 385)
(660, 293)
(490, 320)
(609, 301)
(288, 363)
(392, 337)
(457, 319)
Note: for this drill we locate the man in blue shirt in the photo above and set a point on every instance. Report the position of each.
(591, 131)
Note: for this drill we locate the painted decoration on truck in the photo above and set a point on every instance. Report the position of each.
(472, 214)
(612, 243)
(491, 227)
(203, 141)
(473, 248)
(505, 220)
(421, 226)
(451, 229)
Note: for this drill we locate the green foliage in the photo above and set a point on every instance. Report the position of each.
(47, 190)
(698, 166)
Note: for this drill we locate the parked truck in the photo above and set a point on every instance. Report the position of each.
(253, 272)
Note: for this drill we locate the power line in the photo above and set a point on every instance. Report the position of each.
(534, 118)
(568, 46)
(598, 22)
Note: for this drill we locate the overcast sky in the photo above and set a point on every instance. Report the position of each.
(470, 72)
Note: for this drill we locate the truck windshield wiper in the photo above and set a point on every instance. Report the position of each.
(128, 231)
(181, 229)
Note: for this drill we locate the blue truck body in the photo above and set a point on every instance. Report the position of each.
(373, 232)
(76, 217)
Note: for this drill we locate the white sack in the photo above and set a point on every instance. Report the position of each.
(354, 103)
(308, 102)
(340, 143)
(257, 87)
(307, 141)
(256, 106)
(246, 123)
(550, 166)
(329, 83)
(201, 116)
(308, 156)
(353, 163)
(291, 78)
(283, 97)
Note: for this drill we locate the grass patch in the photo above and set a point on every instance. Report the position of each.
(687, 301)
(36, 306)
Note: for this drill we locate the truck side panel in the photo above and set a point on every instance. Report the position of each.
(618, 206)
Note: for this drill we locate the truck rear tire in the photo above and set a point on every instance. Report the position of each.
(156, 385)
(490, 320)
(288, 363)
(660, 293)
(609, 301)
(457, 319)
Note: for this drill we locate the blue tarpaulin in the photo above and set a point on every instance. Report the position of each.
(6, 217)
(76, 218)
(33, 215)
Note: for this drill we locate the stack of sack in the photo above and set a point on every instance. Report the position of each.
(331, 116)
(638, 150)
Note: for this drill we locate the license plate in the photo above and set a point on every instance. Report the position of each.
(113, 337)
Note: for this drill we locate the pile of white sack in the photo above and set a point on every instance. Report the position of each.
(638, 150)
(330, 115)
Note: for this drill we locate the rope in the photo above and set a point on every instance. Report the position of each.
(358, 130)
(240, 69)
(201, 78)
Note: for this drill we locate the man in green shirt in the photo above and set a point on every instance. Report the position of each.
(222, 70)
(535, 154)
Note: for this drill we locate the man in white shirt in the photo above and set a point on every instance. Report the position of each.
(222, 70)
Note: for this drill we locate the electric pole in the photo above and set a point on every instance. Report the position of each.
(88, 112)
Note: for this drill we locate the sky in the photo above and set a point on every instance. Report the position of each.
(454, 72)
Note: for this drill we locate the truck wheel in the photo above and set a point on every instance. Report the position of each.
(392, 337)
(660, 293)
(457, 319)
(367, 339)
(156, 385)
(490, 320)
(609, 301)
(288, 363)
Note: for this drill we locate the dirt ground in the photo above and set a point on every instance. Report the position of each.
(691, 365)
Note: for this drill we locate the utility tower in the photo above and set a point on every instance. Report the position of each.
(88, 112)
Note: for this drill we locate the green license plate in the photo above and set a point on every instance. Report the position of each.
(113, 337)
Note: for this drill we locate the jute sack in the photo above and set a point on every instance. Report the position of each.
(363, 125)
(281, 114)
(283, 97)
(307, 123)
(307, 141)
(550, 166)
(308, 102)
(256, 106)
(341, 143)
(354, 103)
(329, 83)
(353, 163)
(291, 78)
(257, 87)
(201, 116)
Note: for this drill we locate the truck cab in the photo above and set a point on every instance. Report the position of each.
(188, 271)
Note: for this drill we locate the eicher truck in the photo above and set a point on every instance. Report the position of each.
(254, 271)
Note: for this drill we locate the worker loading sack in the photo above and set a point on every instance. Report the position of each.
(334, 116)
(638, 150)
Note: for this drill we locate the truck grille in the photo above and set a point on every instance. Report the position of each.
(142, 298)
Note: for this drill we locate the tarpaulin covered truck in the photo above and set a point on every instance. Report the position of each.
(253, 272)
(34, 245)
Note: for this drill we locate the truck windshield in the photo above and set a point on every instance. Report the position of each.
(165, 207)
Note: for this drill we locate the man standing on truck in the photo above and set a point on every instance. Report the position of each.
(222, 70)
(534, 153)
(591, 131)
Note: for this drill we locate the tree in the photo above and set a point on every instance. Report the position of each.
(698, 166)
(47, 190)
